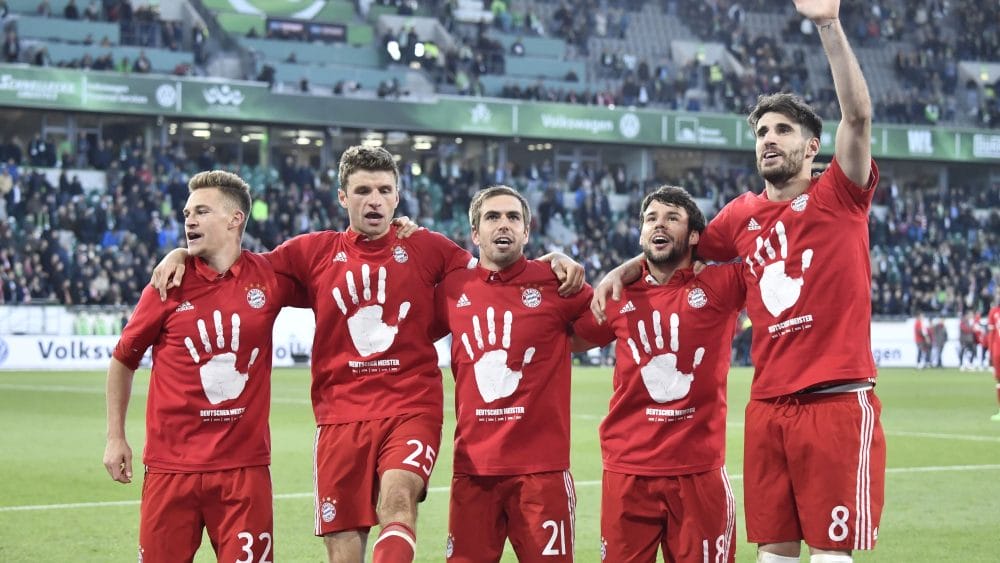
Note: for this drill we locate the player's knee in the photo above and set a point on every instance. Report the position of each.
(831, 558)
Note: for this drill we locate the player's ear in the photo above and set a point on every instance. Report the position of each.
(812, 147)
(693, 237)
(342, 198)
(237, 219)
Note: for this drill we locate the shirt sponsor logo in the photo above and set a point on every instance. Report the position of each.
(185, 306)
(399, 254)
(799, 203)
(463, 301)
(628, 308)
(328, 510)
(697, 298)
(340, 257)
(753, 225)
(256, 297)
(531, 297)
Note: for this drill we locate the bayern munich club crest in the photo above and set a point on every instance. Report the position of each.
(400, 255)
(328, 510)
(799, 203)
(531, 297)
(697, 298)
(256, 297)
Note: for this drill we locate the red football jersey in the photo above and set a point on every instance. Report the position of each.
(667, 414)
(993, 329)
(510, 355)
(372, 354)
(210, 387)
(809, 281)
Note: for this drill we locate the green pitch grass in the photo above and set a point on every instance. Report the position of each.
(58, 504)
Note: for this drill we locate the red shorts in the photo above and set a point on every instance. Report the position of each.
(536, 511)
(350, 458)
(814, 469)
(689, 517)
(235, 506)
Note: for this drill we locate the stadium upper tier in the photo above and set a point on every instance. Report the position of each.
(692, 56)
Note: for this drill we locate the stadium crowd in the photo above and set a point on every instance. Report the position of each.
(932, 250)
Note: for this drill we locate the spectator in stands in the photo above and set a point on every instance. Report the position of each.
(11, 46)
(71, 11)
(142, 65)
(92, 12)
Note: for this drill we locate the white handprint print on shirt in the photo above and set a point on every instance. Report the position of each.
(494, 378)
(368, 331)
(219, 377)
(777, 290)
(664, 381)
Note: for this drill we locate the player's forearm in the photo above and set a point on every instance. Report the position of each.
(119, 389)
(848, 81)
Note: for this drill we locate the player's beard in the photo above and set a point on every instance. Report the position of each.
(679, 250)
(791, 166)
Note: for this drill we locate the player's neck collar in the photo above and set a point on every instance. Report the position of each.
(506, 274)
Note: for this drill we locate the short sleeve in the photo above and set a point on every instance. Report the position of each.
(143, 328)
(716, 242)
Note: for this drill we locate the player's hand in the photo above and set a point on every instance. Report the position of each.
(698, 266)
(818, 11)
(404, 226)
(494, 378)
(778, 291)
(169, 272)
(118, 460)
(612, 285)
(663, 379)
(569, 272)
(368, 329)
(220, 378)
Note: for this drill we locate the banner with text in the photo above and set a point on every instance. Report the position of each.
(253, 102)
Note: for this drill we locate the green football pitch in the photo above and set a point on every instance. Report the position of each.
(58, 504)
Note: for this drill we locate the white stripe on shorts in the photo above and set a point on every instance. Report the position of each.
(863, 529)
(571, 499)
(316, 516)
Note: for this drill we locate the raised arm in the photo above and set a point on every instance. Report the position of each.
(852, 148)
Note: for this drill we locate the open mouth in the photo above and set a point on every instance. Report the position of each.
(503, 242)
(191, 237)
(770, 157)
(660, 239)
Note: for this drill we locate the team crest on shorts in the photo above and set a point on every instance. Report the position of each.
(449, 549)
(697, 298)
(400, 255)
(531, 297)
(604, 549)
(799, 203)
(256, 297)
(328, 510)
